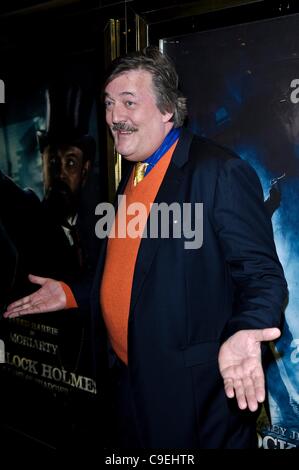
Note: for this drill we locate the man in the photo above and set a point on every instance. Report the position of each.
(180, 321)
(67, 155)
(65, 169)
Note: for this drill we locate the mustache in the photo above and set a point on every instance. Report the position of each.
(122, 126)
(60, 187)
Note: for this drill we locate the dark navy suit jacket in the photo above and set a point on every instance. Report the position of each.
(186, 302)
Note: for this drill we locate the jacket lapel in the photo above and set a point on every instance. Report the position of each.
(167, 193)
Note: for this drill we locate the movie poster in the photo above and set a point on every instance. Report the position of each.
(49, 187)
(243, 88)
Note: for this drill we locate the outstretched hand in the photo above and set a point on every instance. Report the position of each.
(240, 365)
(49, 298)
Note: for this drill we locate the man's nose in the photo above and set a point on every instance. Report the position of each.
(63, 173)
(118, 114)
(59, 170)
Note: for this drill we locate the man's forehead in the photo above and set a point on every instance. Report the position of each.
(64, 151)
(129, 83)
(122, 93)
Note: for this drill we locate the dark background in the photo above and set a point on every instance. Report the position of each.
(40, 40)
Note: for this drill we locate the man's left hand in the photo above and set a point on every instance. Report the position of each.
(240, 365)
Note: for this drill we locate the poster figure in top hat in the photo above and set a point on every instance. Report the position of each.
(68, 152)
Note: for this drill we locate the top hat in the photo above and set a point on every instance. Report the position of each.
(68, 109)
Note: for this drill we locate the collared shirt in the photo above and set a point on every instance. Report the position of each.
(169, 140)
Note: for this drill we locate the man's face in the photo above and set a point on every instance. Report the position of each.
(65, 173)
(137, 125)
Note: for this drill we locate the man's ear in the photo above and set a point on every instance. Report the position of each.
(167, 117)
(85, 171)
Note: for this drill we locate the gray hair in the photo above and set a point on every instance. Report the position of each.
(169, 99)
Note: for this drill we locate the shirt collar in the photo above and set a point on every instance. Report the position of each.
(169, 140)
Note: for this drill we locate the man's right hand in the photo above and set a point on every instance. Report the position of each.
(49, 298)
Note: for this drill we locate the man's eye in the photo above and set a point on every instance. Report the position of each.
(129, 104)
(108, 104)
(71, 163)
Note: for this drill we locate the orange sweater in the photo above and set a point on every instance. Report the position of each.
(116, 286)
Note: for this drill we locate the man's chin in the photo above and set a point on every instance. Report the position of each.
(127, 155)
